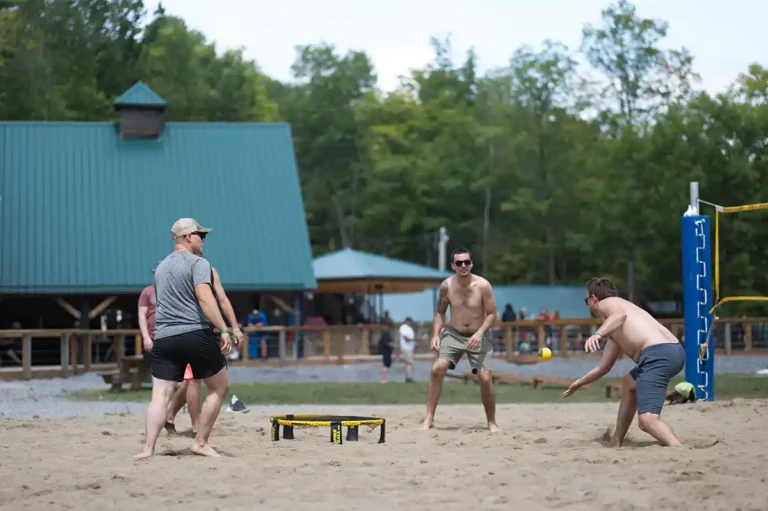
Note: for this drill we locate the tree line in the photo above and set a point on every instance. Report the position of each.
(562, 164)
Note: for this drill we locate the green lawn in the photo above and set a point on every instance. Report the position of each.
(727, 386)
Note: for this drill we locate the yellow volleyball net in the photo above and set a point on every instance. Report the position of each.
(719, 300)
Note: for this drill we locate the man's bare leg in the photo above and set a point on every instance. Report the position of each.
(218, 385)
(436, 376)
(193, 404)
(487, 393)
(627, 409)
(658, 429)
(157, 412)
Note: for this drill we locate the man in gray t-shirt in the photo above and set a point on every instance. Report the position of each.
(186, 311)
(178, 310)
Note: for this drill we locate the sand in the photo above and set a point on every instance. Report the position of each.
(547, 457)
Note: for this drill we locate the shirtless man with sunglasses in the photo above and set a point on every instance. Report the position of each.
(473, 312)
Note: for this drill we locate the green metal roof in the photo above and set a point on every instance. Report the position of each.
(568, 300)
(349, 264)
(140, 95)
(83, 211)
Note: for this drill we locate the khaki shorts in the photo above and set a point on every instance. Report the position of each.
(407, 356)
(454, 344)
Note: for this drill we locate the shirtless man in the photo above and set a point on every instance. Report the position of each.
(656, 351)
(473, 312)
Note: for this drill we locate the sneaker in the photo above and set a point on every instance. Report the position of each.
(762, 372)
(237, 406)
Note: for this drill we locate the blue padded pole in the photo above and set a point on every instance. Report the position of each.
(697, 302)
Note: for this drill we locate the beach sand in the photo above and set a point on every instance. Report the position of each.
(547, 457)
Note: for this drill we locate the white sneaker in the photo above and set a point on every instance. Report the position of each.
(762, 372)
(237, 406)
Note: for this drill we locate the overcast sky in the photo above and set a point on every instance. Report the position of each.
(724, 36)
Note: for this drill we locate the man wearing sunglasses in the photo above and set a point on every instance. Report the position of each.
(186, 312)
(473, 313)
(659, 356)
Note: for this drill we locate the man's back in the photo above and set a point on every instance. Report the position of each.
(639, 330)
(178, 310)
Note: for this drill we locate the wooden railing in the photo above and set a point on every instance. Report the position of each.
(67, 352)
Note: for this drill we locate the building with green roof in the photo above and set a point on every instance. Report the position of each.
(86, 208)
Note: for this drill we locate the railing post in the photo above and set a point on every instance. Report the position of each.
(88, 352)
(728, 341)
(26, 356)
(563, 340)
(281, 344)
(747, 336)
(64, 360)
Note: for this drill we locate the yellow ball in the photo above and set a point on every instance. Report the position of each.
(545, 353)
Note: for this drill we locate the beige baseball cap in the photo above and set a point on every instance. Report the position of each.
(184, 226)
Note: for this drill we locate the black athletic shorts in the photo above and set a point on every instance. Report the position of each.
(199, 349)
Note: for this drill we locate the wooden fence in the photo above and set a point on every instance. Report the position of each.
(61, 353)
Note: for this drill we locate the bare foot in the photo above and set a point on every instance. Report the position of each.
(493, 427)
(204, 450)
(608, 437)
(428, 424)
(143, 454)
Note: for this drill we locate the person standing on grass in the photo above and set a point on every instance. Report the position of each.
(186, 314)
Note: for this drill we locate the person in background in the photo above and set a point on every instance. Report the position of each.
(257, 341)
(386, 345)
(407, 347)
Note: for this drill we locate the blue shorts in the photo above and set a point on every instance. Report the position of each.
(657, 365)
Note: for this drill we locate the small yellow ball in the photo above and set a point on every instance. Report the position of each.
(545, 353)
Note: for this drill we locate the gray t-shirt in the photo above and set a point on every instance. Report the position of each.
(178, 310)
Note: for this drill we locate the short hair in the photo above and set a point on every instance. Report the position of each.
(601, 288)
(460, 251)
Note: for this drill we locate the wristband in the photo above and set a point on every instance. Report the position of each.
(597, 334)
(236, 329)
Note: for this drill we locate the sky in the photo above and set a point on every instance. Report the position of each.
(723, 36)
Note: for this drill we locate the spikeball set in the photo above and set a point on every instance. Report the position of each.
(334, 422)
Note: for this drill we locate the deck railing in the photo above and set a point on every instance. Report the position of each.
(68, 352)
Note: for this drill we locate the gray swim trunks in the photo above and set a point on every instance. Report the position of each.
(657, 365)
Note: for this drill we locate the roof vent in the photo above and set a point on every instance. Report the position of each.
(141, 113)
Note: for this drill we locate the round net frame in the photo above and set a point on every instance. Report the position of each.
(334, 422)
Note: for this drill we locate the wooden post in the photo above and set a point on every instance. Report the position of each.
(74, 340)
(244, 347)
(728, 345)
(508, 342)
(138, 344)
(340, 348)
(64, 360)
(563, 340)
(365, 341)
(88, 352)
(26, 356)
(542, 336)
(281, 344)
(747, 336)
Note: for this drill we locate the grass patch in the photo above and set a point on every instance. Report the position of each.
(727, 386)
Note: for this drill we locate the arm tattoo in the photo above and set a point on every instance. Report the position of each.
(442, 300)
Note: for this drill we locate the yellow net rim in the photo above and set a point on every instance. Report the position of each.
(319, 421)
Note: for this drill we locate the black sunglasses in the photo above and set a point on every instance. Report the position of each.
(201, 234)
(463, 262)
(586, 300)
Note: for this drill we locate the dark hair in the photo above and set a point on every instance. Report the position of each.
(601, 288)
(460, 251)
